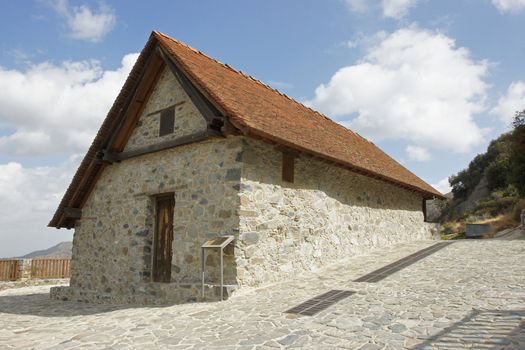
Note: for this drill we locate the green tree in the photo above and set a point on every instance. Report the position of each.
(517, 153)
(494, 164)
(497, 171)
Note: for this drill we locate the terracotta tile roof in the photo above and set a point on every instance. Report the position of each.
(262, 111)
(254, 108)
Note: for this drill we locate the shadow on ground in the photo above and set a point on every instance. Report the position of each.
(482, 329)
(41, 305)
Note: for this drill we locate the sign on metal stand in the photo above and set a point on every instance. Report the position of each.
(215, 243)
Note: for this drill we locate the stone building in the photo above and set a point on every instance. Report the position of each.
(193, 149)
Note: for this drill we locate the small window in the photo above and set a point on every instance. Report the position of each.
(167, 121)
(288, 167)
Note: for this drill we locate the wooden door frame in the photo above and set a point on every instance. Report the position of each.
(156, 198)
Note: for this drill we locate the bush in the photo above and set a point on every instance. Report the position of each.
(517, 154)
(510, 191)
(497, 174)
(495, 206)
(494, 164)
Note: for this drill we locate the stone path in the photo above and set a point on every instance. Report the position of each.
(511, 234)
(470, 294)
(33, 282)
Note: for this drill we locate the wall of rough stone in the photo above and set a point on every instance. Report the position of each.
(112, 246)
(167, 92)
(327, 214)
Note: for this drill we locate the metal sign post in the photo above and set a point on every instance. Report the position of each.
(215, 243)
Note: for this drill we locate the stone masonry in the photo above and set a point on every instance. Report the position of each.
(112, 247)
(327, 214)
(168, 92)
(225, 186)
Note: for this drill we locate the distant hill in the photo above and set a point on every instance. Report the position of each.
(61, 250)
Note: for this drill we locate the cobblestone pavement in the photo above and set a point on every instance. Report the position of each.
(511, 234)
(470, 294)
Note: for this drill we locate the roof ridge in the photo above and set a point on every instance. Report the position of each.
(251, 77)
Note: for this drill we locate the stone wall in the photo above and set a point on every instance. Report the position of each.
(166, 93)
(112, 245)
(327, 214)
(230, 186)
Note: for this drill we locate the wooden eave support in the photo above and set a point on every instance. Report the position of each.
(72, 213)
(288, 151)
(107, 156)
(156, 147)
(135, 104)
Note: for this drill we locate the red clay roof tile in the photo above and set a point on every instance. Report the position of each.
(268, 113)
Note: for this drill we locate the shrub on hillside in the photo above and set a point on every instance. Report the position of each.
(495, 206)
(494, 164)
(517, 154)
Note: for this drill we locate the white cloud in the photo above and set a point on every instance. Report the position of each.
(48, 109)
(357, 5)
(414, 85)
(417, 153)
(84, 23)
(397, 8)
(443, 186)
(29, 198)
(390, 8)
(57, 108)
(512, 102)
(509, 6)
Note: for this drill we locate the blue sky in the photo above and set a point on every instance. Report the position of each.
(430, 82)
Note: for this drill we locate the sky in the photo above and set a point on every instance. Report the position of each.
(430, 82)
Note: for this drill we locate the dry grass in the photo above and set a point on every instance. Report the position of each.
(509, 219)
(499, 223)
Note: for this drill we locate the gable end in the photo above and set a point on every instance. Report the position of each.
(109, 144)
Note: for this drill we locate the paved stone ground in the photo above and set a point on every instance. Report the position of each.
(470, 294)
(33, 282)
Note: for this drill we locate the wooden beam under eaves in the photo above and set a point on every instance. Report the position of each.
(160, 146)
(136, 104)
(73, 213)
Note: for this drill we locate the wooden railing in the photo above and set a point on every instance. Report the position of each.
(9, 270)
(50, 268)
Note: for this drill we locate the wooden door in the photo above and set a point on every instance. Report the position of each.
(163, 238)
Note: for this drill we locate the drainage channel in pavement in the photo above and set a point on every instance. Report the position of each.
(384, 272)
(324, 301)
(320, 302)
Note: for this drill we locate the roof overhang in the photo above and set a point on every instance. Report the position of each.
(122, 117)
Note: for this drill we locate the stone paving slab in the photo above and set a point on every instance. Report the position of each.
(33, 282)
(470, 294)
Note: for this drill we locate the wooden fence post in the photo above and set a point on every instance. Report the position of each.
(25, 269)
